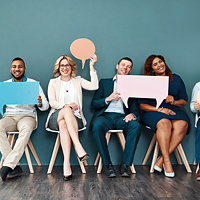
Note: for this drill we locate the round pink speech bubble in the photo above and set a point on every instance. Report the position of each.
(82, 48)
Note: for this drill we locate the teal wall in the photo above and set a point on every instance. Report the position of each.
(40, 31)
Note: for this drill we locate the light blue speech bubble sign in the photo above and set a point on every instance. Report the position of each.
(18, 93)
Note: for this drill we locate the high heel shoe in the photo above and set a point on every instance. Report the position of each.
(156, 167)
(85, 157)
(169, 175)
(67, 178)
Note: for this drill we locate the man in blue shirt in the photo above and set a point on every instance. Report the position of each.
(111, 113)
(20, 118)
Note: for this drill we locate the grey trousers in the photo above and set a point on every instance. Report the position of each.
(25, 125)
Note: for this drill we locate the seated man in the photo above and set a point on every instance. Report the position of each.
(111, 113)
(195, 108)
(20, 118)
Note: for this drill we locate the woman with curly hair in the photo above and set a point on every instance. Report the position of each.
(65, 99)
(168, 121)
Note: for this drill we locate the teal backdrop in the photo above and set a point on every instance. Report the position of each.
(40, 31)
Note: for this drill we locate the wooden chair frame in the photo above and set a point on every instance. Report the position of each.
(122, 141)
(11, 139)
(55, 151)
(155, 155)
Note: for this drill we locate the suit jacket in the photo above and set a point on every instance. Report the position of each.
(79, 83)
(98, 102)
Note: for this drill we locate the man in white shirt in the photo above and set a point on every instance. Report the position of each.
(20, 118)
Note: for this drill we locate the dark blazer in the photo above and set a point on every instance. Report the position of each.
(98, 102)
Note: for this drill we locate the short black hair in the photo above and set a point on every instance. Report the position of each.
(125, 58)
(18, 58)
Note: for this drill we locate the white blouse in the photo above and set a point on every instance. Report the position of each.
(68, 95)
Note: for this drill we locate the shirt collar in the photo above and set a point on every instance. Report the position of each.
(23, 80)
(114, 78)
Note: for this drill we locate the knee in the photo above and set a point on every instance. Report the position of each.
(135, 128)
(67, 110)
(25, 128)
(97, 128)
(164, 124)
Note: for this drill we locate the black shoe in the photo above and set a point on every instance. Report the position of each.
(123, 170)
(110, 173)
(15, 172)
(85, 157)
(4, 171)
(67, 178)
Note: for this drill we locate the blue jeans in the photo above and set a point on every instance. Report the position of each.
(110, 121)
(197, 142)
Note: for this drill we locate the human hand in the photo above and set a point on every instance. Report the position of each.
(93, 59)
(170, 99)
(39, 101)
(168, 111)
(196, 105)
(73, 105)
(113, 96)
(129, 117)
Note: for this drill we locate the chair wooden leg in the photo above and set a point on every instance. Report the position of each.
(122, 142)
(82, 166)
(97, 159)
(177, 156)
(100, 160)
(194, 162)
(155, 155)
(197, 168)
(29, 160)
(181, 151)
(54, 154)
(34, 152)
(149, 150)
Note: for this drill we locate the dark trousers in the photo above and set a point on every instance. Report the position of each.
(197, 142)
(114, 121)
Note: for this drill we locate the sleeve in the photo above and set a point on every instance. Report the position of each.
(45, 104)
(98, 100)
(52, 96)
(194, 97)
(182, 94)
(133, 106)
(90, 85)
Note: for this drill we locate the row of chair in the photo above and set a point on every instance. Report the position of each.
(98, 161)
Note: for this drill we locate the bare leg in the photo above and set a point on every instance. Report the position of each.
(72, 126)
(163, 135)
(179, 131)
(66, 147)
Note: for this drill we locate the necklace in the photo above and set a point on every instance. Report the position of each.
(66, 89)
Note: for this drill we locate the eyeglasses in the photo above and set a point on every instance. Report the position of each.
(63, 66)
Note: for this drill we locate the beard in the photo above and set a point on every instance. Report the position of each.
(17, 78)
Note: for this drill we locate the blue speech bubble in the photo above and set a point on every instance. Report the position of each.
(18, 93)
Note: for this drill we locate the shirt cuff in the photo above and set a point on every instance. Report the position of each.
(106, 102)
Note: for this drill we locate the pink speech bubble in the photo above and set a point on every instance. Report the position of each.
(198, 97)
(82, 49)
(153, 87)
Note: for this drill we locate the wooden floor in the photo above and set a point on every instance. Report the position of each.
(96, 186)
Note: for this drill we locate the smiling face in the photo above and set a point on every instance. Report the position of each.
(17, 70)
(65, 69)
(158, 67)
(124, 67)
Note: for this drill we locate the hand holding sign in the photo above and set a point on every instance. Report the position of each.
(82, 49)
(154, 87)
(18, 93)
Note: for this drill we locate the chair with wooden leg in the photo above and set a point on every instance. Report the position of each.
(55, 151)
(177, 151)
(122, 141)
(11, 139)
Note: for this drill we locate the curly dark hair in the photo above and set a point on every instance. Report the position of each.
(148, 67)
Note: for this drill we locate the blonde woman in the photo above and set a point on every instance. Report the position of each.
(65, 99)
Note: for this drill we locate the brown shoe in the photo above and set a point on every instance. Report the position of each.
(197, 177)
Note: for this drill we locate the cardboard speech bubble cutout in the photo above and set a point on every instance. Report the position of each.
(82, 49)
(16, 93)
(198, 97)
(153, 87)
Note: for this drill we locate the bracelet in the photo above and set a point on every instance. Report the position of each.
(160, 109)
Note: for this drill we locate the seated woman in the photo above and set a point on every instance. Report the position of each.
(195, 108)
(65, 99)
(168, 121)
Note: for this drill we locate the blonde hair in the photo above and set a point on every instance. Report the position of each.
(71, 63)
